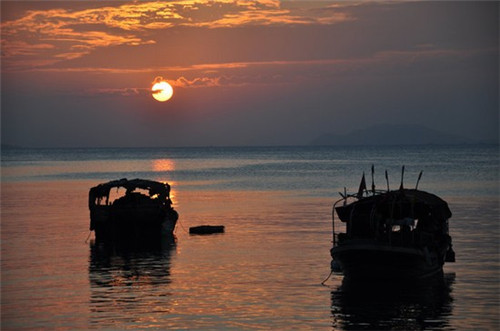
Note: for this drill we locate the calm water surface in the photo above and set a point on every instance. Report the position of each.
(266, 271)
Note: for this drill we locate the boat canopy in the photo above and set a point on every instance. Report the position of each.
(397, 204)
(97, 193)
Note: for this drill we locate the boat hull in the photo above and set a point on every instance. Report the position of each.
(132, 224)
(375, 261)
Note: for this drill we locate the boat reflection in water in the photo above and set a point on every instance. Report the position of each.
(129, 285)
(393, 305)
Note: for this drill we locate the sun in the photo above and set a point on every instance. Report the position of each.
(162, 91)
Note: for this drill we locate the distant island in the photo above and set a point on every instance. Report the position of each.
(392, 134)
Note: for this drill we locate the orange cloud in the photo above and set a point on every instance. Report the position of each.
(196, 82)
(60, 34)
(125, 91)
(181, 82)
(233, 73)
(270, 73)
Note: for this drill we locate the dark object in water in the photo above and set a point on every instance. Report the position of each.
(143, 213)
(391, 234)
(206, 229)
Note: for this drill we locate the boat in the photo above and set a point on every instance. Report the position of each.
(384, 234)
(131, 210)
(206, 229)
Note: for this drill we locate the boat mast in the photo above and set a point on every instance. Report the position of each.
(418, 180)
(402, 177)
(387, 180)
(333, 224)
(373, 180)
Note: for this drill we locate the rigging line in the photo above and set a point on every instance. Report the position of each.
(86, 240)
(327, 278)
(182, 226)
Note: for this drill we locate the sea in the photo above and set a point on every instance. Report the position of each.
(270, 269)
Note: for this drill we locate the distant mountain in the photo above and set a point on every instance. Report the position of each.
(391, 134)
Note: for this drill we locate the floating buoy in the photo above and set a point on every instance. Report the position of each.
(206, 229)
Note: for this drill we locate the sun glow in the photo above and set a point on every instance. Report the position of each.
(161, 90)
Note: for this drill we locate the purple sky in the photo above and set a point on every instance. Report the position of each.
(79, 73)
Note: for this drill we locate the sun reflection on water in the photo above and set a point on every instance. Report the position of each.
(161, 165)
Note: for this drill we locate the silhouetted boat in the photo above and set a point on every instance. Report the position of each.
(391, 234)
(144, 212)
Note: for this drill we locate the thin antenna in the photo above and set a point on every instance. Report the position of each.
(418, 180)
(387, 180)
(402, 177)
(373, 180)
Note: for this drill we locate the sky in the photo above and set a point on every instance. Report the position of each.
(262, 72)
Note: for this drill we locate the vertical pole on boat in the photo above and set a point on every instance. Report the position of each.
(333, 225)
(418, 180)
(402, 177)
(387, 180)
(373, 180)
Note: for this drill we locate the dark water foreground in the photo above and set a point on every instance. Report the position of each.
(427, 304)
(265, 271)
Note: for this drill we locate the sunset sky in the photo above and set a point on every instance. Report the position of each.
(79, 73)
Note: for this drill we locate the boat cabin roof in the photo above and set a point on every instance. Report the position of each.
(399, 203)
(154, 188)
